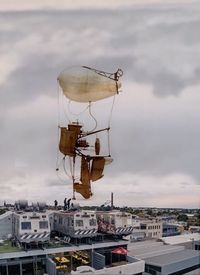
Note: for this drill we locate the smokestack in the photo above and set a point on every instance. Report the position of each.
(112, 201)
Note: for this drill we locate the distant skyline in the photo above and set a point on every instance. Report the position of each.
(155, 128)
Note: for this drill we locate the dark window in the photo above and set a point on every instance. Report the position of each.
(25, 225)
(79, 222)
(143, 226)
(93, 222)
(43, 224)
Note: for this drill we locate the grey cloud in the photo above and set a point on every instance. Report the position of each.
(142, 42)
(158, 148)
(131, 37)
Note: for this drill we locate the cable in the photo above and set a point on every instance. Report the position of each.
(76, 114)
(92, 117)
(64, 168)
(111, 111)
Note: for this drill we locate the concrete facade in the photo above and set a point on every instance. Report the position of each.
(5, 225)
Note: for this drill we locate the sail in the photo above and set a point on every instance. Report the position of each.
(97, 168)
(84, 188)
(67, 141)
(86, 85)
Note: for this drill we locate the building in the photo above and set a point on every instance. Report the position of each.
(6, 225)
(170, 230)
(152, 228)
(162, 259)
(99, 258)
(177, 263)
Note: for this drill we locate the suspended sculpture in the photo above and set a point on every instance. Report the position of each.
(86, 86)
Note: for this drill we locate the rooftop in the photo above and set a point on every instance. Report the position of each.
(183, 238)
(173, 257)
(145, 249)
(12, 253)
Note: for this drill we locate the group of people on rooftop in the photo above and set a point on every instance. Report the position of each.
(66, 204)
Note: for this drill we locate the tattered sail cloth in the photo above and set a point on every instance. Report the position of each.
(67, 142)
(97, 168)
(84, 188)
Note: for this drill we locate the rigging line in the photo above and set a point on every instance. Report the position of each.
(108, 135)
(109, 123)
(92, 117)
(58, 104)
(58, 121)
(58, 164)
(114, 76)
(64, 108)
(64, 168)
(57, 153)
(59, 177)
(70, 167)
(76, 114)
(73, 179)
(111, 112)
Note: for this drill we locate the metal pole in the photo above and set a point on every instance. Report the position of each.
(111, 200)
(7, 273)
(21, 270)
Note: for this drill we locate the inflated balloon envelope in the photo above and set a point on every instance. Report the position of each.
(89, 85)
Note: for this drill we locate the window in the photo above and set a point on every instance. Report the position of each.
(43, 224)
(93, 222)
(79, 222)
(113, 221)
(143, 226)
(25, 225)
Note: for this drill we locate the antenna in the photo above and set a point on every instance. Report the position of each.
(112, 206)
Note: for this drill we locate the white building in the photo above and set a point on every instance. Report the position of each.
(152, 228)
(6, 225)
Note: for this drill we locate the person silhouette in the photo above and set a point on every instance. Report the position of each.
(68, 203)
(65, 204)
(55, 204)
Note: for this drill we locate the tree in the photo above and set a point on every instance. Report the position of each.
(182, 218)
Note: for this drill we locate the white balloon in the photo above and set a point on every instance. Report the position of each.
(83, 84)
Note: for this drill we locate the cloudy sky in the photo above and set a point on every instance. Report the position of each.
(155, 130)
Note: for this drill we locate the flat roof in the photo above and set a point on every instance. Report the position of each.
(146, 249)
(46, 251)
(183, 238)
(173, 257)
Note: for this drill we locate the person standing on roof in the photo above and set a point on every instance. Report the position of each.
(55, 204)
(65, 204)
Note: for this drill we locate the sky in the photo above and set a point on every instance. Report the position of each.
(155, 130)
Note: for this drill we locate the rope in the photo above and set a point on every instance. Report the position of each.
(108, 135)
(64, 108)
(114, 76)
(76, 114)
(73, 179)
(58, 122)
(64, 168)
(111, 111)
(92, 117)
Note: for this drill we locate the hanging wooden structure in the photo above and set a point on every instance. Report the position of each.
(85, 84)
